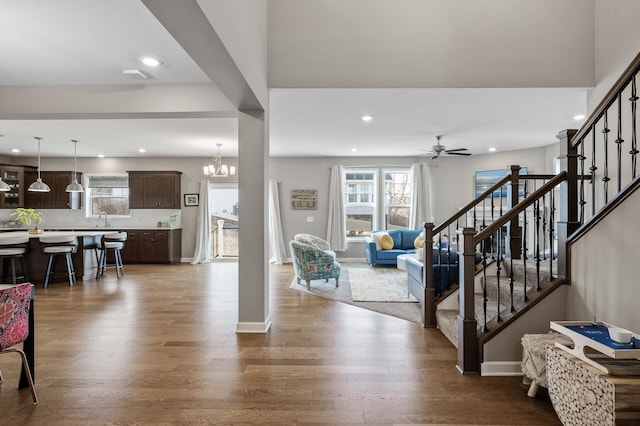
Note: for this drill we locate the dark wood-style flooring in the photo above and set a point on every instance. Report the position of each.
(159, 347)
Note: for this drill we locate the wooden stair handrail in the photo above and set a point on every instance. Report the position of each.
(518, 208)
(608, 100)
(472, 204)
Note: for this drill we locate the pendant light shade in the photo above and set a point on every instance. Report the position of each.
(38, 185)
(75, 186)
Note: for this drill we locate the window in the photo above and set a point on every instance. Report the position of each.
(367, 200)
(397, 199)
(360, 206)
(107, 193)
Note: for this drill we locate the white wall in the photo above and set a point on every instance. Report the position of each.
(436, 43)
(604, 281)
(616, 43)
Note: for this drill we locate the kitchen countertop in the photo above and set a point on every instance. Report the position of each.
(89, 228)
(86, 233)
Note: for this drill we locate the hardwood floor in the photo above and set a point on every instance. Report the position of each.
(159, 347)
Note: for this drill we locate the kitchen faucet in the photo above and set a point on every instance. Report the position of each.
(106, 219)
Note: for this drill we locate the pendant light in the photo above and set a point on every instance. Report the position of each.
(38, 185)
(75, 186)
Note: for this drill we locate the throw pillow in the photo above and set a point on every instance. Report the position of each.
(419, 241)
(376, 239)
(386, 242)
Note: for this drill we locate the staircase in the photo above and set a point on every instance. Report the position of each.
(542, 216)
(447, 319)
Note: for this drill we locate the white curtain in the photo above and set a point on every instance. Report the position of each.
(276, 240)
(336, 223)
(202, 253)
(420, 198)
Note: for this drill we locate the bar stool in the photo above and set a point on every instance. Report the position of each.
(113, 242)
(12, 248)
(56, 246)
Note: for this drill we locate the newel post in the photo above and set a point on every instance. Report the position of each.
(568, 216)
(429, 299)
(468, 349)
(515, 232)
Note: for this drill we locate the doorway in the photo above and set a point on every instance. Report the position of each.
(223, 205)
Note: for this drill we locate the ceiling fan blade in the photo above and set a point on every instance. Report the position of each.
(459, 153)
(457, 149)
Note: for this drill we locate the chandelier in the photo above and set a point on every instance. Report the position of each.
(217, 169)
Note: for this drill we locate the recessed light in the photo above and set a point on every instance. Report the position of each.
(354, 149)
(100, 155)
(367, 118)
(579, 117)
(492, 149)
(142, 150)
(15, 150)
(150, 61)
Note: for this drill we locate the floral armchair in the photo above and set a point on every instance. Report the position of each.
(313, 263)
(315, 241)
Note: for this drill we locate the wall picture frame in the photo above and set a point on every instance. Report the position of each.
(191, 200)
(304, 199)
(485, 179)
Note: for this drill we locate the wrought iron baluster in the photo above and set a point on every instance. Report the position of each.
(524, 252)
(544, 226)
(634, 146)
(582, 201)
(619, 141)
(552, 215)
(536, 211)
(498, 269)
(491, 237)
(605, 178)
(484, 287)
(593, 169)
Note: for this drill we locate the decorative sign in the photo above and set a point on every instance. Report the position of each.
(304, 199)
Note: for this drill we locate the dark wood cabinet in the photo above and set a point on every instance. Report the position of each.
(131, 252)
(58, 197)
(14, 177)
(154, 190)
(153, 246)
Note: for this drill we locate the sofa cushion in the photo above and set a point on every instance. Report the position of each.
(391, 255)
(386, 242)
(375, 236)
(408, 238)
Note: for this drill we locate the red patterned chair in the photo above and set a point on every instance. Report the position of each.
(14, 324)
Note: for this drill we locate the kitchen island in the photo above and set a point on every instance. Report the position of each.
(84, 261)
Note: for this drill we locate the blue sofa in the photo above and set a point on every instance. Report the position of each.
(445, 273)
(402, 244)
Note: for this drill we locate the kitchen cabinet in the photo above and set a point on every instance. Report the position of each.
(131, 251)
(154, 189)
(14, 177)
(58, 197)
(152, 246)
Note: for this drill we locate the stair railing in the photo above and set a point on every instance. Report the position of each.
(473, 241)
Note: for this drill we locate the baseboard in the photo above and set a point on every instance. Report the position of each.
(501, 368)
(254, 327)
(351, 260)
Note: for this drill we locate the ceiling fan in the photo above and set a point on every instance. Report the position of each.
(438, 149)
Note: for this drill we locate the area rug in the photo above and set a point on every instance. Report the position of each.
(379, 285)
(408, 311)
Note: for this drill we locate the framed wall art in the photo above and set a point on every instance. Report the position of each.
(191, 200)
(485, 179)
(304, 199)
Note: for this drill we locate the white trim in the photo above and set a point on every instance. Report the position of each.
(254, 327)
(501, 368)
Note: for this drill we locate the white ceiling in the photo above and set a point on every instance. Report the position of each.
(89, 42)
